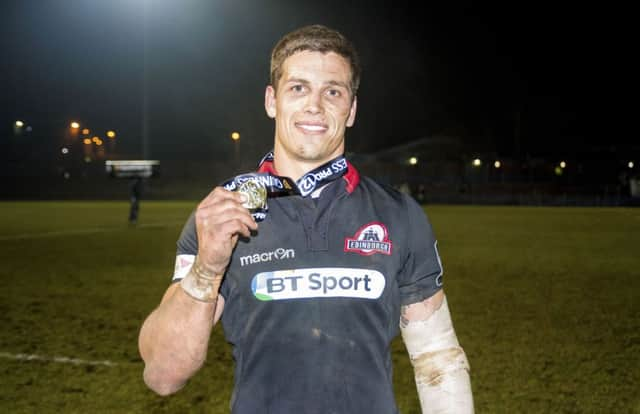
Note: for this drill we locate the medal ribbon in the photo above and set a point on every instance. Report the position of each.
(277, 185)
(315, 178)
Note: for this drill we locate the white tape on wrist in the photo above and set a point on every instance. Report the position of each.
(183, 265)
(201, 285)
(440, 364)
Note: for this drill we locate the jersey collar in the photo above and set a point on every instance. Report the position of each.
(351, 177)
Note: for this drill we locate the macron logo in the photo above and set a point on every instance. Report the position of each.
(278, 254)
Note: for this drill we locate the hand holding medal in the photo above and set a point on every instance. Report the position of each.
(254, 189)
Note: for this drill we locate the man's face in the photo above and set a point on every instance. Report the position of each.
(312, 107)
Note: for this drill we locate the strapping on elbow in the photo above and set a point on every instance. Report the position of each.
(432, 367)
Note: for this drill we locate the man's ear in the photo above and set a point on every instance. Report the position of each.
(270, 101)
(352, 112)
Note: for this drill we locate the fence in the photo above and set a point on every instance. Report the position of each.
(188, 180)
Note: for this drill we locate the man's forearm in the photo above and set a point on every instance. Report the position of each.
(440, 365)
(174, 339)
(444, 390)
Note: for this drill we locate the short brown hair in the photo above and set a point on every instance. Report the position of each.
(315, 38)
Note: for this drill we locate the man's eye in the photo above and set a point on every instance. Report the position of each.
(334, 92)
(297, 88)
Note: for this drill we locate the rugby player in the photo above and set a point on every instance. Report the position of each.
(312, 290)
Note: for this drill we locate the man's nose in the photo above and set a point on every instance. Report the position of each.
(314, 103)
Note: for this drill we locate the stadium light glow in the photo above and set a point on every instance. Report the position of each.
(563, 164)
(497, 164)
(235, 136)
(413, 160)
(87, 141)
(65, 150)
(95, 139)
(19, 123)
(630, 165)
(111, 134)
(86, 131)
(558, 170)
(477, 162)
(74, 125)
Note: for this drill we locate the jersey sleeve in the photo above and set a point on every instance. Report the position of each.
(188, 241)
(187, 249)
(421, 275)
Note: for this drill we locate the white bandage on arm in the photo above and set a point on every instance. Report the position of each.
(182, 266)
(201, 284)
(439, 362)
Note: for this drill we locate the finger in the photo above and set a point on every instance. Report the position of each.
(209, 219)
(221, 212)
(245, 222)
(244, 230)
(231, 228)
(219, 193)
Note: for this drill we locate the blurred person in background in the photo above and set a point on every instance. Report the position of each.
(135, 192)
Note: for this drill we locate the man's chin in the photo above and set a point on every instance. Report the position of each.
(308, 156)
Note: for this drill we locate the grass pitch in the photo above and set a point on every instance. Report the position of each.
(545, 302)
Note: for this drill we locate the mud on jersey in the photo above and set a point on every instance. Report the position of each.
(312, 301)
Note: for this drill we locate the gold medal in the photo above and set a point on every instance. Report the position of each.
(256, 194)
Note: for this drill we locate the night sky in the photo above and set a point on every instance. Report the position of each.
(525, 78)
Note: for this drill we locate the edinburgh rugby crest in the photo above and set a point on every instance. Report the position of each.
(370, 239)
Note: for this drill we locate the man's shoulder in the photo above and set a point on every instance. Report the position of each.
(374, 186)
(388, 197)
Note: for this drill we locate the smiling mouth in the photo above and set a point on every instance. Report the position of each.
(311, 128)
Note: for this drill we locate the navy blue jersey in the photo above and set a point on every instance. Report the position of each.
(312, 301)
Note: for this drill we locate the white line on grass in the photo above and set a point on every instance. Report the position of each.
(25, 236)
(59, 359)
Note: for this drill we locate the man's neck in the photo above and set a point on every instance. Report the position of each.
(294, 168)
